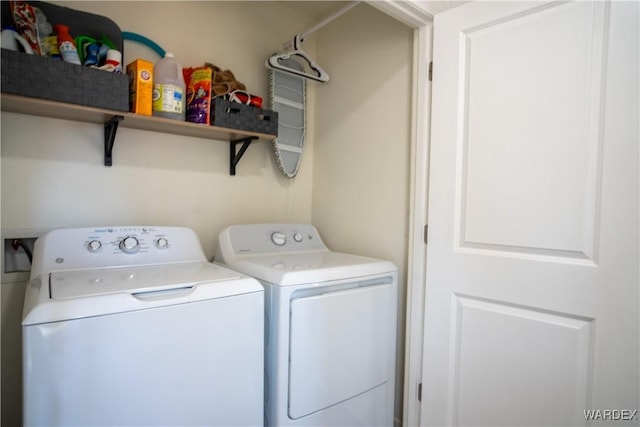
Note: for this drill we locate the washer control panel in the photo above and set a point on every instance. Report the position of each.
(115, 246)
(128, 240)
(272, 238)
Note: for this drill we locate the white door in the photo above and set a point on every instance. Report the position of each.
(532, 284)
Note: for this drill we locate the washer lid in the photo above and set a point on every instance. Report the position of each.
(134, 280)
(296, 268)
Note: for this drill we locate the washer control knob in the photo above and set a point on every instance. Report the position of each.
(278, 238)
(129, 245)
(297, 237)
(162, 243)
(94, 245)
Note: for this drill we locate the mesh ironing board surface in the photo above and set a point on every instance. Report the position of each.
(288, 99)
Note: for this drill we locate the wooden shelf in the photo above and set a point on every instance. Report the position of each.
(112, 119)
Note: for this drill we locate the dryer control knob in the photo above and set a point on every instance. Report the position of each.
(162, 243)
(279, 238)
(129, 244)
(94, 246)
(297, 237)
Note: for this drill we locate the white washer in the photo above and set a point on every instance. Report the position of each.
(331, 322)
(132, 326)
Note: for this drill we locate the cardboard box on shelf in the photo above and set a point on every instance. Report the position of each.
(140, 74)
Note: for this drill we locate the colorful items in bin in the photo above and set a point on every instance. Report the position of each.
(44, 27)
(45, 30)
(24, 18)
(113, 62)
(50, 47)
(244, 97)
(32, 24)
(91, 56)
(66, 44)
(198, 94)
(11, 40)
(169, 89)
(96, 53)
(223, 82)
(83, 43)
(140, 74)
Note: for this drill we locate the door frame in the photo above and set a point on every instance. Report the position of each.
(419, 16)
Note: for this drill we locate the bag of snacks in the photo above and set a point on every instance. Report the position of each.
(198, 100)
(24, 17)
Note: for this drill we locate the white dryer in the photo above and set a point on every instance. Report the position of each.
(132, 326)
(331, 322)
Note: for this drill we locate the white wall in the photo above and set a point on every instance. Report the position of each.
(362, 144)
(52, 170)
(353, 184)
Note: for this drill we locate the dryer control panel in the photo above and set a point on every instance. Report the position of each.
(271, 238)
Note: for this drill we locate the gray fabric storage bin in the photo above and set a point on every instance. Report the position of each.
(55, 80)
(233, 115)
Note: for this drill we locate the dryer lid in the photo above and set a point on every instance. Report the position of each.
(133, 280)
(297, 268)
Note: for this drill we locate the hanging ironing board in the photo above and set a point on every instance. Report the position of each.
(288, 95)
(290, 68)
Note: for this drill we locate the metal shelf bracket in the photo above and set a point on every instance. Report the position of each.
(110, 130)
(234, 157)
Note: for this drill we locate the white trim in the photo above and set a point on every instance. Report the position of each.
(414, 16)
(416, 270)
(406, 11)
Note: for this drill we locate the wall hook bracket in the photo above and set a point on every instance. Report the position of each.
(235, 156)
(110, 130)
